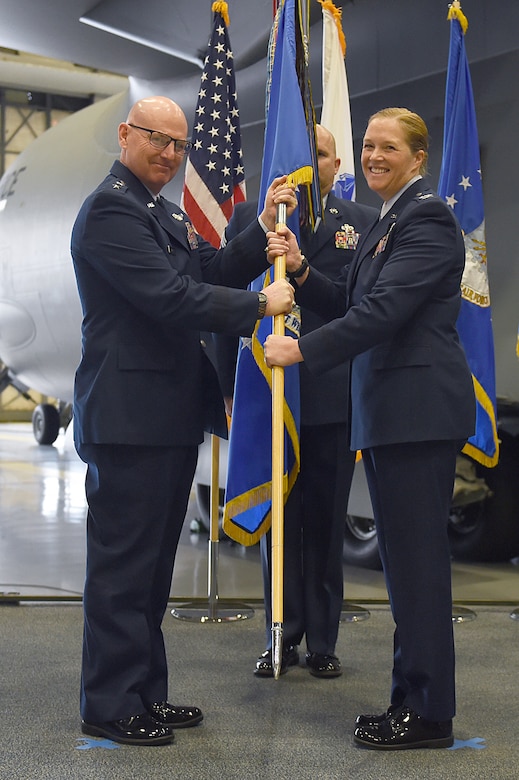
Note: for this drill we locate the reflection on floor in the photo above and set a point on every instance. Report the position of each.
(42, 528)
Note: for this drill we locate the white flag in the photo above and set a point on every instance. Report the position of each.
(335, 113)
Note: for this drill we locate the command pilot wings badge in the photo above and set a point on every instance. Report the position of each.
(383, 242)
(191, 236)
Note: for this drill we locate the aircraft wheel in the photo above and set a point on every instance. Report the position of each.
(360, 543)
(45, 423)
(489, 530)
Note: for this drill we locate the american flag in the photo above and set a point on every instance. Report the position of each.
(214, 178)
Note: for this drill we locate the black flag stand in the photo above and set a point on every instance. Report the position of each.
(351, 613)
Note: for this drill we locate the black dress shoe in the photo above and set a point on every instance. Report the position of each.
(403, 730)
(175, 716)
(323, 665)
(374, 720)
(289, 657)
(136, 730)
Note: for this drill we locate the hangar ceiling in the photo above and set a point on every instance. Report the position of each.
(388, 42)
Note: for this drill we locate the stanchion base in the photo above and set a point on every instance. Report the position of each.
(462, 615)
(515, 614)
(351, 613)
(221, 612)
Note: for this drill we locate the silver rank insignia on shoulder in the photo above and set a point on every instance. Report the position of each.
(424, 197)
(347, 237)
(151, 204)
(118, 184)
(191, 235)
(334, 211)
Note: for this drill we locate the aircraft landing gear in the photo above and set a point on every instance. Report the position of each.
(46, 423)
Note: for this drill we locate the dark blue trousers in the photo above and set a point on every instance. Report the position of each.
(137, 499)
(411, 491)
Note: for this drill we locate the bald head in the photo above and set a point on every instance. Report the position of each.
(154, 167)
(327, 160)
(156, 112)
(324, 137)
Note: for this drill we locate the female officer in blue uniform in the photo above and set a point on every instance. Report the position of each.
(412, 407)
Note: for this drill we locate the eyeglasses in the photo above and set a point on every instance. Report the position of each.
(162, 141)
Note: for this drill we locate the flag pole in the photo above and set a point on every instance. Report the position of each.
(212, 572)
(278, 448)
(215, 610)
(206, 212)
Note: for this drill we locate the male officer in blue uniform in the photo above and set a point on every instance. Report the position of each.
(315, 511)
(147, 284)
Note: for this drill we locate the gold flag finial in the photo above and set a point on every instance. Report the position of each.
(455, 12)
(220, 7)
(337, 16)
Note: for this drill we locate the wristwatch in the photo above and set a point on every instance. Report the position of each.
(300, 271)
(262, 305)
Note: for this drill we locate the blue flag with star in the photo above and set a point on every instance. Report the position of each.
(460, 185)
(287, 150)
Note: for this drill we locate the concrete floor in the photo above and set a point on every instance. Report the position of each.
(42, 544)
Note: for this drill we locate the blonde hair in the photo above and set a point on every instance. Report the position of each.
(415, 129)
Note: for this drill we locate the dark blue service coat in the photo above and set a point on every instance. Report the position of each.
(143, 281)
(409, 378)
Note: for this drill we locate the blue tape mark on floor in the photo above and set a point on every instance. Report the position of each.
(88, 744)
(477, 743)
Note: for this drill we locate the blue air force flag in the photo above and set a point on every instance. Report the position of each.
(460, 185)
(247, 513)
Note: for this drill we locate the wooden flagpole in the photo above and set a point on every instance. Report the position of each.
(278, 468)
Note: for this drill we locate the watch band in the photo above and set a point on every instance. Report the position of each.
(262, 305)
(300, 271)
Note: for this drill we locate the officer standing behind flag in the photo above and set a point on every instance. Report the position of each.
(148, 284)
(412, 409)
(316, 508)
